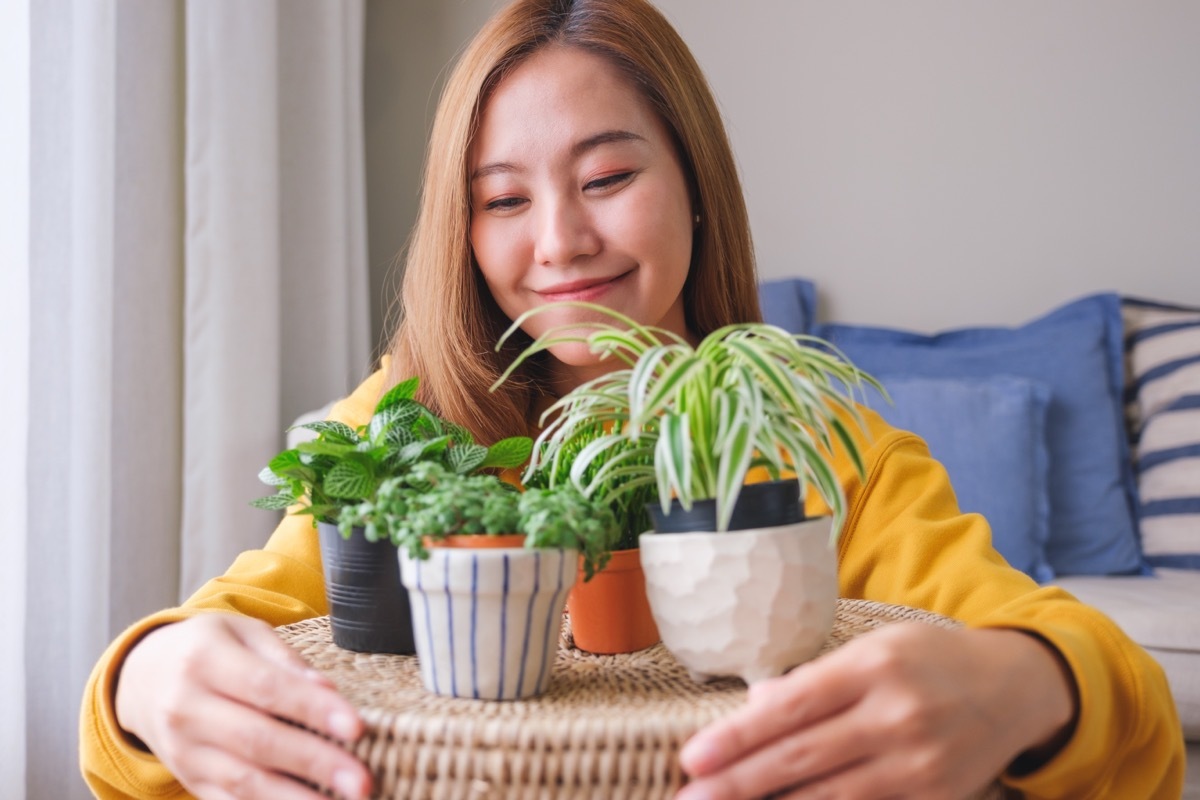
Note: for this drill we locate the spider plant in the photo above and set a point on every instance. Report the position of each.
(691, 422)
(555, 464)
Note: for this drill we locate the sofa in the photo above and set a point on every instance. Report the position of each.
(1078, 436)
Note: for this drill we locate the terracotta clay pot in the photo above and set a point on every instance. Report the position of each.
(473, 540)
(610, 613)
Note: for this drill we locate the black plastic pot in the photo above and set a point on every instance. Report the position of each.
(368, 606)
(760, 505)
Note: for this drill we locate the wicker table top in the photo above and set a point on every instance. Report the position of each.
(608, 726)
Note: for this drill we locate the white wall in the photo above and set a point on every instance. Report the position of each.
(933, 163)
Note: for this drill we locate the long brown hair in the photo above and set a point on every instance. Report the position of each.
(450, 322)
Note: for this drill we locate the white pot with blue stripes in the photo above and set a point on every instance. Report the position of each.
(487, 621)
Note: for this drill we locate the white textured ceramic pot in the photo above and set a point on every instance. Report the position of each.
(487, 621)
(749, 603)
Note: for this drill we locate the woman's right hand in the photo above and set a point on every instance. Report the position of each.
(208, 696)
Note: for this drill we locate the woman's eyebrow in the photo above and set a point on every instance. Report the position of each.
(604, 137)
(578, 149)
(494, 168)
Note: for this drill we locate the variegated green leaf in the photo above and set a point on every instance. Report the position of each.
(405, 390)
(398, 436)
(318, 447)
(349, 480)
(673, 376)
(276, 502)
(508, 453)
(673, 457)
(463, 458)
(731, 471)
(331, 430)
(289, 464)
(270, 478)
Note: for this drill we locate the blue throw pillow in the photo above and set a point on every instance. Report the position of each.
(1076, 351)
(990, 435)
(790, 303)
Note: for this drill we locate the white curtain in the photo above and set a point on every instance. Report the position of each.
(196, 278)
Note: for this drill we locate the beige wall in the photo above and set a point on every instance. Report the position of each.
(930, 163)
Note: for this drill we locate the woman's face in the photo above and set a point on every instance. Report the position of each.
(577, 194)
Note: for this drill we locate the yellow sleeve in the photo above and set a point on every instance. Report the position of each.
(905, 541)
(280, 584)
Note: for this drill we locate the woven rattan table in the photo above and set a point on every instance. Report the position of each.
(608, 727)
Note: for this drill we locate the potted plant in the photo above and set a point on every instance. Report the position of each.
(487, 568)
(342, 467)
(610, 613)
(745, 584)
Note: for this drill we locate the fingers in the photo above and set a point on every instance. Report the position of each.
(889, 777)
(212, 697)
(863, 781)
(922, 701)
(808, 694)
(805, 756)
(260, 676)
(269, 747)
(262, 639)
(227, 777)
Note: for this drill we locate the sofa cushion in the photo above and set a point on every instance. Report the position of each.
(1076, 351)
(990, 434)
(1160, 614)
(790, 303)
(1163, 393)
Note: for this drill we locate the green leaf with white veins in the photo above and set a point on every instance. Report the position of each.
(458, 434)
(317, 447)
(270, 478)
(397, 436)
(350, 480)
(331, 430)
(421, 448)
(289, 465)
(405, 390)
(276, 502)
(401, 415)
(508, 453)
(465, 457)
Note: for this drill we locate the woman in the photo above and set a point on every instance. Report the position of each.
(577, 153)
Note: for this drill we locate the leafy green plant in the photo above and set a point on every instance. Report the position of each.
(693, 421)
(627, 495)
(431, 503)
(343, 466)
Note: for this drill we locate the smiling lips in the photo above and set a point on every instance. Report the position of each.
(585, 289)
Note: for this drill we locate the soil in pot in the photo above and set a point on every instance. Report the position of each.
(368, 606)
(610, 613)
(759, 505)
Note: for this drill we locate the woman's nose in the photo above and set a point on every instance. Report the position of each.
(565, 233)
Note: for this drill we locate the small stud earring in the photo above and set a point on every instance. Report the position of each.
(696, 219)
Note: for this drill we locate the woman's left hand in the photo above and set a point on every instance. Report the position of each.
(909, 710)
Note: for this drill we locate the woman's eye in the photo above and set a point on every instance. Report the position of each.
(608, 181)
(504, 204)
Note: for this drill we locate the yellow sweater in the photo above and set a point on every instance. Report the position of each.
(905, 541)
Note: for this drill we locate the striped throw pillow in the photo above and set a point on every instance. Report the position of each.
(1162, 349)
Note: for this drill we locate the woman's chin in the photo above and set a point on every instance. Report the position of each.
(575, 364)
(576, 354)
